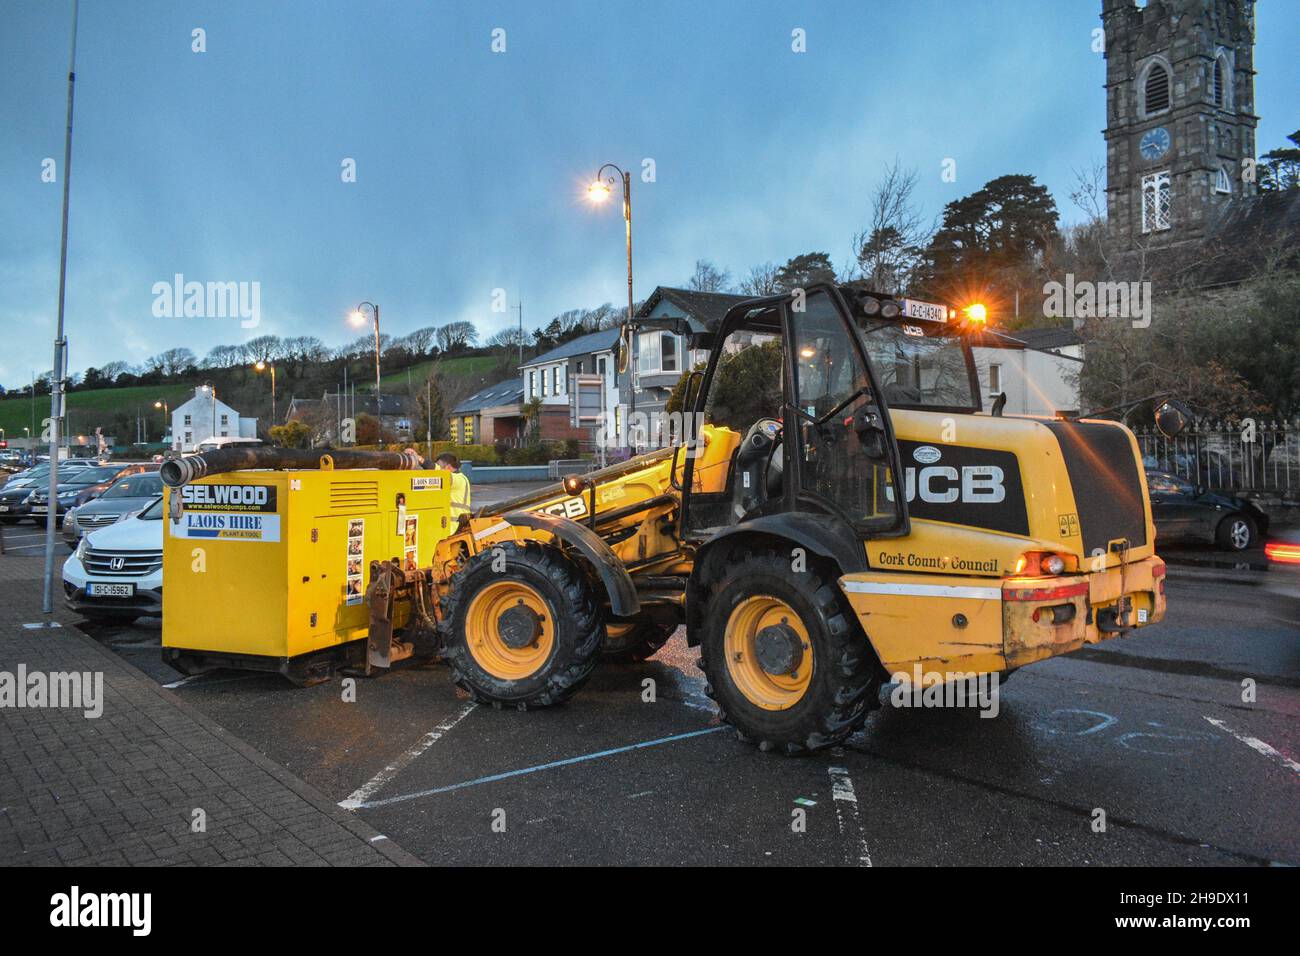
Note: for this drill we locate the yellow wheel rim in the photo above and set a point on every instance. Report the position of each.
(614, 631)
(509, 630)
(763, 684)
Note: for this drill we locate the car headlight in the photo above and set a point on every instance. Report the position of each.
(81, 547)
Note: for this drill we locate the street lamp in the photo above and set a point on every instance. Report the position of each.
(166, 415)
(601, 189)
(261, 367)
(359, 318)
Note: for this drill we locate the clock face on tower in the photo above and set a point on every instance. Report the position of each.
(1154, 143)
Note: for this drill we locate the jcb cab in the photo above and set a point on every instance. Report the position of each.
(847, 512)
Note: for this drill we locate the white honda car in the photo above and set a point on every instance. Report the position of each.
(116, 572)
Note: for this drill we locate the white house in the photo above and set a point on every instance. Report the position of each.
(205, 416)
(1037, 369)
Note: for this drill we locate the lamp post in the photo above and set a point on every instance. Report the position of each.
(600, 190)
(160, 403)
(261, 367)
(359, 318)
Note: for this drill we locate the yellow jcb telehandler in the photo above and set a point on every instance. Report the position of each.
(846, 511)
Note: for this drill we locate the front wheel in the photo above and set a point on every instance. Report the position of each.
(785, 658)
(1236, 533)
(526, 633)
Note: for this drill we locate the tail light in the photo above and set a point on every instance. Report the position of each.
(1041, 563)
(1282, 552)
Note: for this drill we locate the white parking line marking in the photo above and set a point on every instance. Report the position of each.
(359, 796)
(1254, 743)
(846, 816)
(545, 766)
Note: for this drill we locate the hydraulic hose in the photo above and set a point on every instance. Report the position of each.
(181, 471)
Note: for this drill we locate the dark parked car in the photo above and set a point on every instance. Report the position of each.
(132, 493)
(1187, 512)
(81, 486)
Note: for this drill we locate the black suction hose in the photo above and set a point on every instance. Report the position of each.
(180, 471)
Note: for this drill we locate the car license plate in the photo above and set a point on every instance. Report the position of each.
(925, 311)
(39, 509)
(4, 507)
(110, 590)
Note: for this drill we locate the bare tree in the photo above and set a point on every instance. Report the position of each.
(264, 348)
(456, 335)
(171, 362)
(421, 340)
(708, 277)
(889, 250)
(761, 280)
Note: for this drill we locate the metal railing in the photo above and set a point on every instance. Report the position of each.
(1246, 455)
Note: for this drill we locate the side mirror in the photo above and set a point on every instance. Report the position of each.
(1173, 418)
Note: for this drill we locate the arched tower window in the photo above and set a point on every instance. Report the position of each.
(1155, 89)
(1221, 82)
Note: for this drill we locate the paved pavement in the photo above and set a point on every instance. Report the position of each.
(1152, 730)
(130, 785)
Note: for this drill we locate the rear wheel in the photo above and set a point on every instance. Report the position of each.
(785, 659)
(527, 635)
(1236, 533)
(630, 643)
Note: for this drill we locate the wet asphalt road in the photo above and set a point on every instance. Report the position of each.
(1152, 730)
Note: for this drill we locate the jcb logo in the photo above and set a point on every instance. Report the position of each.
(570, 508)
(943, 484)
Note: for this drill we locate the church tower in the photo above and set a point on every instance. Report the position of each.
(1180, 99)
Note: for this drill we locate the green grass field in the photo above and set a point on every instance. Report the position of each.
(94, 406)
(98, 406)
(474, 367)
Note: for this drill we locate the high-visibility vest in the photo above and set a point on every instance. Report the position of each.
(459, 495)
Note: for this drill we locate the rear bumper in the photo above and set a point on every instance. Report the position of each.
(957, 623)
(1043, 617)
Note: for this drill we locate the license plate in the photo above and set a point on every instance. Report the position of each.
(4, 507)
(925, 311)
(110, 590)
(39, 509)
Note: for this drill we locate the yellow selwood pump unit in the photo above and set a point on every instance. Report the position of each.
(266, 569)
(839, 510)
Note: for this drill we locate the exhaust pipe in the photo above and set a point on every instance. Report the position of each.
(181, 471)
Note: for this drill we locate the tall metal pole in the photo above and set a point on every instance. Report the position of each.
(56, 378)
(631, 332)
(379, 402)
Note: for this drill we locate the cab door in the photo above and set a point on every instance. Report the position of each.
(838, 434)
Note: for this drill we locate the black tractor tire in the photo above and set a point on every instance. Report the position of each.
(633, 643)
(845, 679)
(1236, 532)
(576, 627)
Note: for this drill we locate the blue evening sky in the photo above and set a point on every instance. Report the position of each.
(225, 165)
